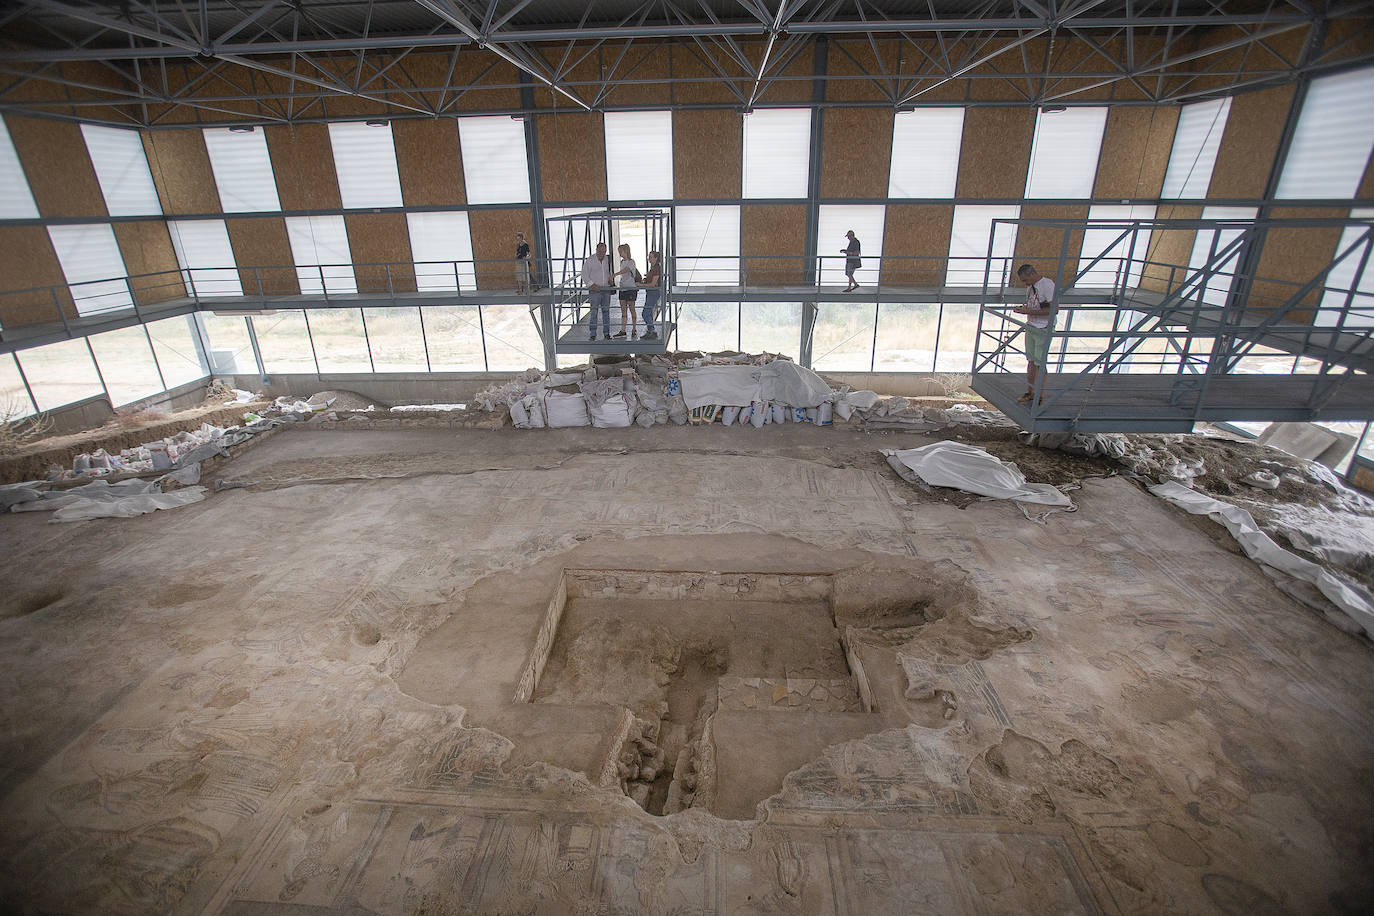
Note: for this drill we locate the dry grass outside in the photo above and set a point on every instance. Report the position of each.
(18, 427)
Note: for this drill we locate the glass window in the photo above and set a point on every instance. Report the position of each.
(206, 257)
(230, 349)
(16, 200)
(771, 327)
(708, 326)
(906, 337)
(339, 339)
(15, 403)
(121, 167)
(284, 342)
(1331, 146)
(867, 223)
(512, 341)
(174, 342)
(707, 241)
(319, 246)
(925, 152)
(639, 155)
(958, 331)
(1357, 244)
(968, 246)
(454, 333)
(365, 163)
(1064, 156)
(1219, 284)
(243, 169)
(494, 166)
(843, 338)
(90, 258)
(127, 365)
(441, 245)
(1194, 153)
(1124, 250)
(396, 339)
(777, 152)
(60, 373)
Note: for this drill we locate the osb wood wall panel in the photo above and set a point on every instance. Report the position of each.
(773, 242)
(380, 239)
(1367, 185)
(28, 262)
(181, 171)
(708, 153)
(860, 70)
(429, 161)
(261, 242)
(1135, 152)
(303, 162)
(58, 167)
(1250, 142)
(147, 249)
(1291, 257)
(493, 244)
(916, 243)
(996, 152)
(856, 151)
(1040, 245)
(649, 66)
(572, 156)
(1173, 247)
(690, 63)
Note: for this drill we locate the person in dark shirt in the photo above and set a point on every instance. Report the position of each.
(522, 263)
(851, 261)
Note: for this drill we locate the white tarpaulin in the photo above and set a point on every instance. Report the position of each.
(101, 499)
(1259, 547)
(781, 382)
(967, 467)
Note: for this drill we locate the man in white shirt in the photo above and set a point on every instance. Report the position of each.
(1039, 312)
(596, 274)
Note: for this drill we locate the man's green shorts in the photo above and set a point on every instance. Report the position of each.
(1038, 345)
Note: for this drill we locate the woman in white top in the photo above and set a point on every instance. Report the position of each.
(626, 279)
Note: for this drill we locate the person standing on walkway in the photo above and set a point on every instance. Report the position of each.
(652, 282)
(851, 261)
(596, 275)
(1039, 312)
(627, 277)
(522, 263)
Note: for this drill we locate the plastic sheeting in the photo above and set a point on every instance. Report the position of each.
(781, 381)
(1259, 547)
(102, 499)
(969, 468)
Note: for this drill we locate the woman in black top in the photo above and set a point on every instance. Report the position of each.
(522, 263)
(851, 261)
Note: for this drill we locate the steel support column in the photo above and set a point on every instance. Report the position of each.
(810, 275)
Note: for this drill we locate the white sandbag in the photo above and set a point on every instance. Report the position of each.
(824, 414)
(843, 409)
(612, 413)
(729, 415)
(969, 468)
(780, 413)
(519, 416)
(799, 414)
(534, 406)
(677, 410)
(562, 409)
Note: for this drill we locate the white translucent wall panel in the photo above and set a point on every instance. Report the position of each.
(121, 167)
(90, 258)
(230, 349)
(867, 223)
(958, 331)
(174, 343)
(639, 155)
(243, 170)
(1064, 155)
(1219, 284)
(206, 257)
(396, 339)
(60, 373)
(284, 341)
(454, 333)
(925, 152)
(441, 245)
(906, 337)
(1334, 135)
(339, 339)
(708, 326)
(770, 327)
(365, 163)
(968, 246)
(126, 362)
(494, 166)
(1342, 284)
(15, 402)
(843, 337)
(512, 341)
(1194, 153)
(319, 246)
(16, 200)
(707, 241)
(1122, 256)
(777, 152)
